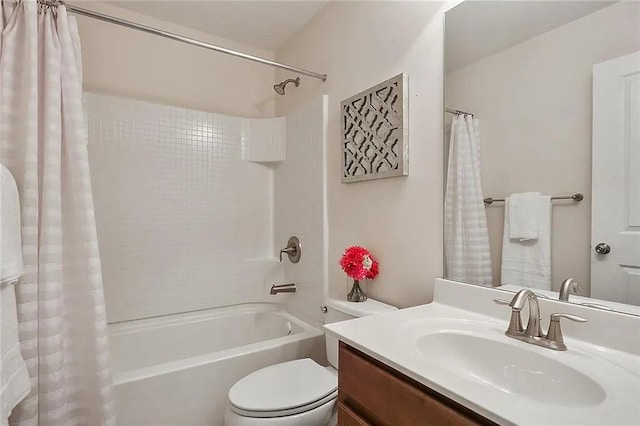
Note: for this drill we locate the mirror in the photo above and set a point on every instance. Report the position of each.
(553, 144)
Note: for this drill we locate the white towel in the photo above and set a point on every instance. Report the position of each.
(528, 263)
(524, 215)
(14, 378)
(10, 241)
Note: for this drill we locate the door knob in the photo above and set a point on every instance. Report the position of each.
(603, 248)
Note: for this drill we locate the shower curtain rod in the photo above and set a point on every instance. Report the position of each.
(457, 112)
(177, 37)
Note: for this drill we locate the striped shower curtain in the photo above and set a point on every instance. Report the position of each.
(61, 311)
(466, 237)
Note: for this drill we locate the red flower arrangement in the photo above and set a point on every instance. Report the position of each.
(358, 263)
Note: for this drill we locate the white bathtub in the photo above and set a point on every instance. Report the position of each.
(176, 370)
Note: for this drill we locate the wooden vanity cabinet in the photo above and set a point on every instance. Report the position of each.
(371, 393)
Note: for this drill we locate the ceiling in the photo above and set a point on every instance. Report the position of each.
(476, 29)
(265, 24)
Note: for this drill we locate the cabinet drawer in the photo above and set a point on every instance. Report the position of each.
(386, 397)
(348, 417)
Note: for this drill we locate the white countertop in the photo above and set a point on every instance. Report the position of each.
(391, 338)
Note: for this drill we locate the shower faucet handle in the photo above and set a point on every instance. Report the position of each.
(293, 250)
(288, 250)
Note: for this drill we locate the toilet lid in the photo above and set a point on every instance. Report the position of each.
(283, 387)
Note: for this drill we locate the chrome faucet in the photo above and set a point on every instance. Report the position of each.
(517, 303)
(569, 285)
(533, 333)
(283, 288)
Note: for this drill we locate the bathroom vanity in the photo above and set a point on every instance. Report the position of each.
(451, 362)
(371, 393)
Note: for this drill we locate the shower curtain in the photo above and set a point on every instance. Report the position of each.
(61, 311)
(466, 237)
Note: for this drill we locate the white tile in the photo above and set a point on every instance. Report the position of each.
(187, 217)
(178, 210)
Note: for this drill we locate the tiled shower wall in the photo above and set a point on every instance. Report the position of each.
(184, 208)
(300, 207)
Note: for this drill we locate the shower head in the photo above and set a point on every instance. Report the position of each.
(279, 88)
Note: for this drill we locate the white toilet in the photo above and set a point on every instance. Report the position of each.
(299, 392)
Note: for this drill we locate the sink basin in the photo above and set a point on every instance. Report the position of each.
(509, 368)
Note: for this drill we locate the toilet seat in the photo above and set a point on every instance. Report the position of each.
(286, 412)
(283, 389)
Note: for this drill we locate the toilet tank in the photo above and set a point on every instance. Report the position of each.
(341, 310)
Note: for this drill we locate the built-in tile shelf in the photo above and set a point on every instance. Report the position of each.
(264, 139)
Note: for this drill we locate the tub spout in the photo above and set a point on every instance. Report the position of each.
(283, 288)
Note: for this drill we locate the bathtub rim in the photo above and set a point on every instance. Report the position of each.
(307, 332)
(194, 316)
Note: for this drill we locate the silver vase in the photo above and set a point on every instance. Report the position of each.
(356, 294)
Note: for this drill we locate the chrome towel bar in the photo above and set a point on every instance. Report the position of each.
(575, 197)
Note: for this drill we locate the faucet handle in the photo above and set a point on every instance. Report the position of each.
(576, 318)
(293, 250)
(515, 324)
(288, 251)
(554, 336)
(597, 306)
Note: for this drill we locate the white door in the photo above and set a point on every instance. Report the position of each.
(615, 221)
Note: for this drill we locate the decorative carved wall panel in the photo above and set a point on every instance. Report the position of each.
(375, 132)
